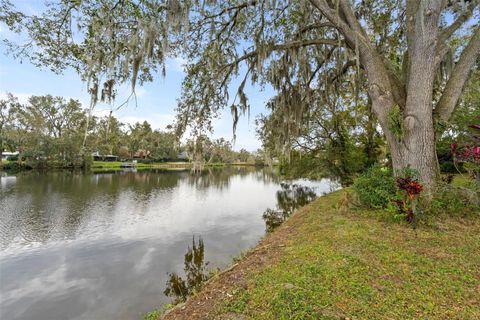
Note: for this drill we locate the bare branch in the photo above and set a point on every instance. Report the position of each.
(316, 26)
(352, 20)
(446, 33)
(234, 8)
(454, 87)
(344, 69)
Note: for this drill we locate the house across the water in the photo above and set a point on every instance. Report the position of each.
(104, 157)
(6, 155)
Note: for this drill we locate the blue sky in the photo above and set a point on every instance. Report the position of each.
(156, 101)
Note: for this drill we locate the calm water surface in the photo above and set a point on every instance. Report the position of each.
(100, 245)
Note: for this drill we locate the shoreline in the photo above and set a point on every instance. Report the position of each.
(330, 261)
(99, 166)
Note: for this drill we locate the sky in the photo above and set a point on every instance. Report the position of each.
(156, 101)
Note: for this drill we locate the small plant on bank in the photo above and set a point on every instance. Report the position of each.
(375, 188)
(379, 189)
(410, 189)
(153, 315)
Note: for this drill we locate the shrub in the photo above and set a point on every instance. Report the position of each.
(455, 200)
(12, 158)
(375, 188)
(16, 167)
(145, 161)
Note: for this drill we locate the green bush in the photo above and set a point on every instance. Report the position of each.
(16, 167)
(375, 188)
(12, 158)
(145, 161)
(455, 200)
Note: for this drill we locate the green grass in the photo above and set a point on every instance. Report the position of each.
(118, 164)
(344, 264)
(106, 164)
(462, 180)
(157, 313)
(153, 315)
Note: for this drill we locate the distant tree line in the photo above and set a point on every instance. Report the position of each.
(53, 131)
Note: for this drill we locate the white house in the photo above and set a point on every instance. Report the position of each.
(6, 155)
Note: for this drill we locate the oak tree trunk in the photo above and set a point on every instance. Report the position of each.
(414, 147)
(417, 150)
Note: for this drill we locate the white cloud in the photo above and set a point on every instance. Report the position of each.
(140, 92)
(22, 97)
(50, 284)
(101, 112)
(142, 265)
(156, 120)
(177, 64)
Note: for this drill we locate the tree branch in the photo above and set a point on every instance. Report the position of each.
(333, 17)
(234, 8)
(284, 46)
(454, 87)
(461, 19)
(446, 33)
(352, 20)
(380, 81)
(316, 26)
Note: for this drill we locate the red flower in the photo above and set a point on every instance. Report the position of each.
(453, 147)
(411, 186)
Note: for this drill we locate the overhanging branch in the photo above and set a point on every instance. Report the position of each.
(284, 46)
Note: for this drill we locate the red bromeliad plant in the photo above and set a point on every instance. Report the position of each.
(410, 188)
(469, 155)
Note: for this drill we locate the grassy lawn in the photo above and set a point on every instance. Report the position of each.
(461, 180)
(106, 164)
(332, 262)
(116, 164)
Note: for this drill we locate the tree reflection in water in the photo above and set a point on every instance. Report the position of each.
(289, 198)
(196, 273)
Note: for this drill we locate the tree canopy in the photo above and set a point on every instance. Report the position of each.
(412, 58)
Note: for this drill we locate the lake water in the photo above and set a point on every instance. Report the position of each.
(101, 245)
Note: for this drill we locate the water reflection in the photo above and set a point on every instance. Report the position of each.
(289, 198)
(39, 207)
(195, 269)
(98, 246)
